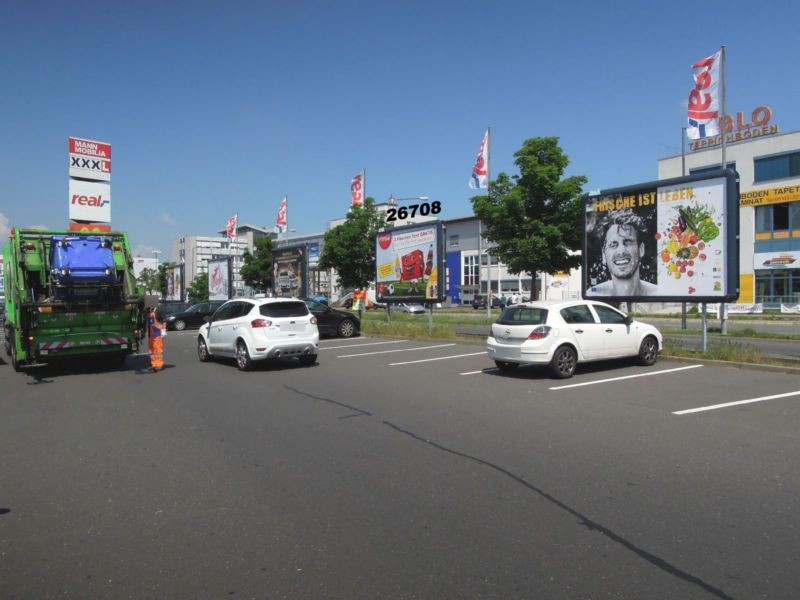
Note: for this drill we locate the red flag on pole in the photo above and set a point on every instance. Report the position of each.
(231, 226)
(281, 222)
(357, 189)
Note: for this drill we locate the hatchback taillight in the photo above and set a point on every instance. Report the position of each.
(260, 323)
(540, 332)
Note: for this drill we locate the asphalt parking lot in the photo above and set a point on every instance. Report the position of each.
(399, 468)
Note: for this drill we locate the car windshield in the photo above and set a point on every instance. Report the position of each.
(523, 315)
(278, 310)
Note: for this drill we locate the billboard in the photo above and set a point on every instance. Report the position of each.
(174, 277)
(89, 159)
(89, 201)
(673, 240)
(290, 271)
(409, 263)
(219, 279)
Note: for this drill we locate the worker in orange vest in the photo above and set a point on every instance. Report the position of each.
(156, 332)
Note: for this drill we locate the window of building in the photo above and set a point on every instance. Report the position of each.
(777, 167)
(777, 217)
(471, 271)
(709, 169)
(777, 286)
(454, 240)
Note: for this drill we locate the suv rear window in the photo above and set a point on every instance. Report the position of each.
(523, 315)
(278, 310)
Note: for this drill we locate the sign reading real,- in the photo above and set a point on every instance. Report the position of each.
(89, 201)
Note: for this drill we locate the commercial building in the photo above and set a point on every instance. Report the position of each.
(768, 164)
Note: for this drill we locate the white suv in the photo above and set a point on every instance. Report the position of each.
(250, 330)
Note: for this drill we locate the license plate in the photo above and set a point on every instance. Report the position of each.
(293, 327)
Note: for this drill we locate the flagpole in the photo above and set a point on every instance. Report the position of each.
(724, 107)
(286, 239)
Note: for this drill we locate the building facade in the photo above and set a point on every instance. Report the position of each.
(769, 210)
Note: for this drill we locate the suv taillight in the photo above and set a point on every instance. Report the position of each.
(540, 332)
(255, 323)
(313, 320)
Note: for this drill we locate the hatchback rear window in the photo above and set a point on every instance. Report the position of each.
(278, 310)
(523, 315)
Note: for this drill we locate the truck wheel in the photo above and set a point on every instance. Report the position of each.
(14, 362)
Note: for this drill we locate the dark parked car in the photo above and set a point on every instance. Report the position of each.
(192, 318)
(480, 302)
(166, 309)
(331, 321)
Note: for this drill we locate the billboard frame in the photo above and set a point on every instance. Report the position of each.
(730, 225)
(283, 254)
(229, 291)
(429, 294)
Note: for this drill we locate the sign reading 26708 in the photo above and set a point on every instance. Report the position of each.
(89, 159)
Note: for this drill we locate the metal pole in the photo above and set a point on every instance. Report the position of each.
(683, 174)
(723, 316)
(705, 328)
(488, 285)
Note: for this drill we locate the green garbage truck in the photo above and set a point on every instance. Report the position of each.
(69, 295)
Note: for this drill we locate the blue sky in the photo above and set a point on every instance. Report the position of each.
(214, 108)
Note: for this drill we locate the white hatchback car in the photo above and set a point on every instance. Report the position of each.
(563, 333)
(250, 330)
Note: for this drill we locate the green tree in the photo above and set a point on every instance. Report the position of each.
(198, 291)
(256, 271)
(350, 247)
(534, 218)
(162, 279)
(148, 279)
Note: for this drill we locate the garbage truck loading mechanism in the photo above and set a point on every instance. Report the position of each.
(69, 295)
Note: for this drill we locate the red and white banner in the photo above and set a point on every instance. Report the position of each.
(230, 228)
(358, 187)
(281, 222)
(89, 159)
(480, 172)
(704, 101)
(89, 201)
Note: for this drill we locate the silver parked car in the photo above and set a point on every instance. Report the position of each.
(563, 333)
(250, 330)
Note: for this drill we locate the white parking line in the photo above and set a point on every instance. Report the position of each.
(400, 350)
(574, 385)
(360, 345)
(411, 362)
(490, 370)
(737, 403)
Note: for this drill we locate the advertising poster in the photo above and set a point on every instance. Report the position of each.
(409, 264)
(174, 276)
(219, 279)
(672, 240)
(290, 268)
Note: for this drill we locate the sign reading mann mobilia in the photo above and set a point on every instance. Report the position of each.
(89, 159)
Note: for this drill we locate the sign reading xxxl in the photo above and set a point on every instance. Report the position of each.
(290, 268)
(89, 159)
(408, 264)
(673, 240)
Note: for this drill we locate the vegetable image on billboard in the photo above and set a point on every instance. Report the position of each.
(691, 239)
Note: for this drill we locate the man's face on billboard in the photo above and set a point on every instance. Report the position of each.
(622, 251)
